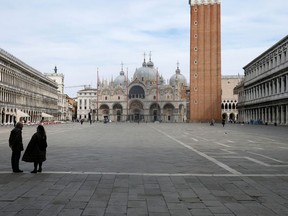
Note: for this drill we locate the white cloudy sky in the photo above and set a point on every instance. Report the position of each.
(81, 36)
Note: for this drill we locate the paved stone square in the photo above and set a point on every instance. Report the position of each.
(153, 169)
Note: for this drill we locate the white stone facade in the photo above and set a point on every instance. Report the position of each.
(144, 98)
(205, 2)
(62, 102)
(263, 94)
(25, 93)
(229, 98)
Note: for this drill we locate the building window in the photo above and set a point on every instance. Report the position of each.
(118, 97)
(136, 91)
(106, 98)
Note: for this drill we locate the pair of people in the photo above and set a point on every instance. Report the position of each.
(35, 151)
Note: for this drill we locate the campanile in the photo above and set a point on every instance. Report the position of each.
(205, 60)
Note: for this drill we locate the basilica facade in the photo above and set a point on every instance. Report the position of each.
(145, 97)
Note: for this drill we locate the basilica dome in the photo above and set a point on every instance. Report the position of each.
(147, 73)
(178, 78)
(120, 80)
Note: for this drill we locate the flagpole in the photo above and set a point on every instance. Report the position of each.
(97, 94)
(127, 98)
(157, 99)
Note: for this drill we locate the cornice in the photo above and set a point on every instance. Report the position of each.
(15, 62)
(205, 2)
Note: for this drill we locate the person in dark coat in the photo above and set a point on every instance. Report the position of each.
(16, 145)
(223, 122)
(36, 149)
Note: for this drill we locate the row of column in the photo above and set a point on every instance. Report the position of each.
(273, 114)
(276, 86)
(269, 65)
(9, 117)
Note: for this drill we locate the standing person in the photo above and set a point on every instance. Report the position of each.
(16, 145)
(223, 122)
(212, 122)
(14, 121)
(36, 149)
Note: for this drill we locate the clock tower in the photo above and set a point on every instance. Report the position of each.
(205, 60)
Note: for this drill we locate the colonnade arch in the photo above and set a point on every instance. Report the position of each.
(273, 114)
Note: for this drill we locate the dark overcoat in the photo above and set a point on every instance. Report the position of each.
(36, 149)
(15, 140)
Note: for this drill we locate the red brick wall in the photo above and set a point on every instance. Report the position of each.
(205, 75)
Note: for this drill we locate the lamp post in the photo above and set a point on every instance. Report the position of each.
(97, 95)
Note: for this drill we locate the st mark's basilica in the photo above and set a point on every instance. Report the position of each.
(146, 97)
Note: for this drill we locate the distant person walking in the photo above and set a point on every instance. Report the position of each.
(16, 145)
(212, 122)
(14, 121)
(223, 122)
(36, 149)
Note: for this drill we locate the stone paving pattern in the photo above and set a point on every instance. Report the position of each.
(150, 169)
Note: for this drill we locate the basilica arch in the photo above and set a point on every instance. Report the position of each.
(136, 111)
(136, 92)
(168, 113)
(117, 114)
(155, 112)
(103, 112)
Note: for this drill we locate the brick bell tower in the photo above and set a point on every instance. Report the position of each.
(205, 60)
